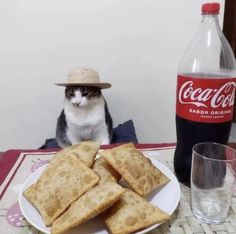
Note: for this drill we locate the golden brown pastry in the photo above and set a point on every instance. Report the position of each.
(132, 213)
(137, 170)
(92, 203)
(66, 179)
(105, 171)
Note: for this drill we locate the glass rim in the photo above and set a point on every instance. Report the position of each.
(214, 143)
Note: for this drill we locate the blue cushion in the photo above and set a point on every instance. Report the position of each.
(122, 133)
(50, 143)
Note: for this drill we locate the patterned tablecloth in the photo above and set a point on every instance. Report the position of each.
(16, 166)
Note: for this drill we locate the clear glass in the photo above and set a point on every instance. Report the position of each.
(213, 181)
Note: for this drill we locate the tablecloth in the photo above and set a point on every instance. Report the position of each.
(17, 165)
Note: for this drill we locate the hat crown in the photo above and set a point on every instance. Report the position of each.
(83, 75)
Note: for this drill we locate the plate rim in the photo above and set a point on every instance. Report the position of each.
(41, 169)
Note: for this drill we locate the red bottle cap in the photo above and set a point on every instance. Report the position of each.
(211, 8)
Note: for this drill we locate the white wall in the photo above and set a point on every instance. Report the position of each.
(134, 44)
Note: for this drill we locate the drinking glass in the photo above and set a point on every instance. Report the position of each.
(213, 181)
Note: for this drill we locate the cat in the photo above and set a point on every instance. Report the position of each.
(85, 116)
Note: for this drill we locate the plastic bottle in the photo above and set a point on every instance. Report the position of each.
(205, 91)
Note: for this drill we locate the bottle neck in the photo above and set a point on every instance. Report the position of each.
(210, 19)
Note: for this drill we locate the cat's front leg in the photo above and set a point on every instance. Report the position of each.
(104, 139)
(74, 139)
(101, 134)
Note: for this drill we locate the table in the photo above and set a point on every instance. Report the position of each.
(1, 154)
(17, 165)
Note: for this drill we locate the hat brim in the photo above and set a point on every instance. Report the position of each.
(98, 85)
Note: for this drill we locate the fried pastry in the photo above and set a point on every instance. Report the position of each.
(92, 203)
(105, 171)
(137, 170)
(86, 151)
(62, 182)
(132, 213)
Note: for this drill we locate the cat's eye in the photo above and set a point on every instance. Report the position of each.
(85, 94)
(70, 92)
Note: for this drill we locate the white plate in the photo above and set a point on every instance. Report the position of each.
(167, 199)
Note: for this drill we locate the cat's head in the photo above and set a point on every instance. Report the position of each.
(81, 96)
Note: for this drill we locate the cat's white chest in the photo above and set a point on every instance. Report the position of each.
(86, 122)
(90, 115)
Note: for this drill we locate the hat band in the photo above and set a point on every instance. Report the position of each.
(82, 79)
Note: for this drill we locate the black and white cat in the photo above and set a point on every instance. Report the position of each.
(85, 116)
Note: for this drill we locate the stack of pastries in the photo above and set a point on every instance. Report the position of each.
(77, 186)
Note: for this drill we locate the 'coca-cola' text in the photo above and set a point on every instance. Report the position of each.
(205, 100)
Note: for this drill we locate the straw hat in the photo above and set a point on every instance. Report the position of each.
(84, 76)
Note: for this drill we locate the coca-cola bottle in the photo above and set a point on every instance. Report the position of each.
(205, 91)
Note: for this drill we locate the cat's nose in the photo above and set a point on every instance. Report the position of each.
(76, 104)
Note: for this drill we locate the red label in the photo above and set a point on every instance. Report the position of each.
(205, 100)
